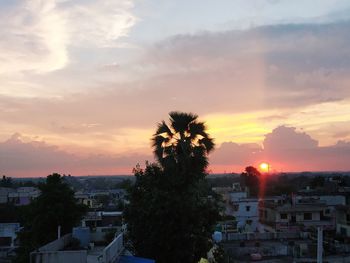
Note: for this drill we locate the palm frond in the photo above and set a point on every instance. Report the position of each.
(180, 121)
(162, 127)
(197, 128)
(208, 143)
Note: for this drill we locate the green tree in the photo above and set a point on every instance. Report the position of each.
(318, 181)
(170, 217)
(54, 207)
(251, 178)
(6, 182)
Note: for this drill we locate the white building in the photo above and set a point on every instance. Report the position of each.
(245, 210)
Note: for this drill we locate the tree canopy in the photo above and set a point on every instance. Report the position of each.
(56, 206)
(183, 145)
(251, 178)
(170, 217)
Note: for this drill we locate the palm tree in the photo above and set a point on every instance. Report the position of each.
(183, 143)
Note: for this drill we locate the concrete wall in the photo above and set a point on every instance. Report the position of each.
(345, 227)
(79, 256)
(51, 253)
(57, 244)
(235, 196)
(299, 216)
(99, 234)
(271, 215)
(113, 250)
(242, 214)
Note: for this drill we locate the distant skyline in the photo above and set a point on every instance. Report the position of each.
(84, 83)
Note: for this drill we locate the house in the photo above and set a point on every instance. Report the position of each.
(343, 220)
(8, 234)
(23, 195)
(4, 192)
(61, 251)
(8, 240)
(291, 217)
(245, 210)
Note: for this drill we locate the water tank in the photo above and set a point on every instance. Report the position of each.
(217, 236)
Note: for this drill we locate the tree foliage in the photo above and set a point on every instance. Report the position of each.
(6, 181)
(183, 146)
(170, 217)
(54, 207)
(250, 178)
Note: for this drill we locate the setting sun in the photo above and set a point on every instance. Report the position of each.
(264, 167)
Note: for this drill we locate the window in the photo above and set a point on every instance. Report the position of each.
(327, 211)
(307, 216)
(343, 231)
(347, 217)
(247, 208)
(249, 222)
(284, 216)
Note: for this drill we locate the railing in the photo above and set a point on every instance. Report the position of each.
(113, 250)
(305, 223)
(260, 236)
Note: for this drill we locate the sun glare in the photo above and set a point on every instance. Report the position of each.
(264, 167)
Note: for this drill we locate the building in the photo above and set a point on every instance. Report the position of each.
(343, 221)
(23, 195)
(4, 193)
(290, 217)
(60, 251)
(8, 240)
(8, 234)
(243, 209)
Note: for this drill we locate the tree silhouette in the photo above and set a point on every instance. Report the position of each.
(56, 206)
(170, 217)
(251, 178)
(6, 181)
(183, 145)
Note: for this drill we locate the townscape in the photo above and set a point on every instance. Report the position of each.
(288, 226)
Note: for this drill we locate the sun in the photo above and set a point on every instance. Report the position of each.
(264, 167)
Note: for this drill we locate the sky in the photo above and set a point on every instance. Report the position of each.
(83, 83)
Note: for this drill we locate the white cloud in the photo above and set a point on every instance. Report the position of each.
(100, 22)
(33, 37)
(36, 35)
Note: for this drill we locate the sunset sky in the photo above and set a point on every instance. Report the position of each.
(83, 83)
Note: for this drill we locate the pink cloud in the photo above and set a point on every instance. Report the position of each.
(286, 149)
(37, 158)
